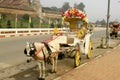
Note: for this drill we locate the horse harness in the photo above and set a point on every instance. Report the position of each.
(49, 52)
(33, 51)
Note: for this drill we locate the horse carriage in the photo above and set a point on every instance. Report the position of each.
(73, 43)
(77, 39)
(115, 29)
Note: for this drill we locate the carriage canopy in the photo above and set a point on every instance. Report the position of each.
(73, 15)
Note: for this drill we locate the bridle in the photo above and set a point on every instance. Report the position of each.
(32, 49)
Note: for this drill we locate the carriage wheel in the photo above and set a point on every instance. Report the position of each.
(89, 55)
(77, 57)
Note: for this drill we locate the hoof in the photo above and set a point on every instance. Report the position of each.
(41, 78)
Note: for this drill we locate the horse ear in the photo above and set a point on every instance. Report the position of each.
(27, 42)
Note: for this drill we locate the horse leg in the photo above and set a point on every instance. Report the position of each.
(43, 70)
(55, 60)
(40, 70)
(53, 65)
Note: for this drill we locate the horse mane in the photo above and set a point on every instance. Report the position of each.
(38, 45)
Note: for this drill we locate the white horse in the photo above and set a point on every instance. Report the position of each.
(42, 53)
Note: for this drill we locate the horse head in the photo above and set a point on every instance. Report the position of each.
(29, 49)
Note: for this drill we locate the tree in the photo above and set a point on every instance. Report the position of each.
(52, 25)
(0, 24)
(26, 17)
(31, 24)
(103, 22)
(8, 24)
(54, 8)
(65, 6)
(21, 24)
(97, 22)
(80, 6)
(4, 16)
(75, 5)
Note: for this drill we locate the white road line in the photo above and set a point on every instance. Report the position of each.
(98, 57)
(108, 51)
(57, 78)
(119, 45)
(81, 65)
(114, 47)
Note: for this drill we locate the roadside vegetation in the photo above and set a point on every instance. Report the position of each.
(25, 21)
(8, 20)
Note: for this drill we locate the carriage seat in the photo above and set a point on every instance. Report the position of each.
(64, 39)
(70, 40)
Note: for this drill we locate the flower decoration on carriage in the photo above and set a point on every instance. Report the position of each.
(74, 13)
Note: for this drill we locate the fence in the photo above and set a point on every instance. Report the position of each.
(27, 32)
(33, 31)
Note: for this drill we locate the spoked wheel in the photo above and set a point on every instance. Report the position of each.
(77, 58)
(89, 55)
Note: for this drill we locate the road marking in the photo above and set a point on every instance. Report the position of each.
(4, 65)
(108, 51)
(57, 78)
(114, 47)
(119, 45)
(98, 57)
(81, 65)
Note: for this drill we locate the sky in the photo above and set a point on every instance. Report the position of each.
(95, 9)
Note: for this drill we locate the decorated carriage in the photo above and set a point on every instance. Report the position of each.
(77, 40)
(73, 43)
(115, 29)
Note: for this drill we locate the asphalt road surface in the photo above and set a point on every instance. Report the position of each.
(11, 49)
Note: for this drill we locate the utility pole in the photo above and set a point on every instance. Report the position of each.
(107, 27)
(16, 20)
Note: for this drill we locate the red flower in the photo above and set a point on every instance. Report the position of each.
(63, 14)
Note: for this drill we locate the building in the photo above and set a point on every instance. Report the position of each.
(22, 7)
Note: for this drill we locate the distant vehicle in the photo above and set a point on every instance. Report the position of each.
(114, 29)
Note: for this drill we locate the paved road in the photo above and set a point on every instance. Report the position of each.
(11, 49)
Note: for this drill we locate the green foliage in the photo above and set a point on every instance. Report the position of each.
(80, 6)
(65, 6)
(25, 17)
(0, 24)
(31, 24)
(54, 8)
(21, 24)
(8, 24)
(101, 22)
(3, 15)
